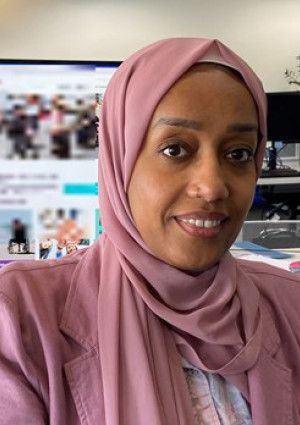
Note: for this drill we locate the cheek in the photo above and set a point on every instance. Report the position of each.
(142, 196)
(150, 196)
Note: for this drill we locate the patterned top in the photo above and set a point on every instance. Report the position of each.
(215, 401)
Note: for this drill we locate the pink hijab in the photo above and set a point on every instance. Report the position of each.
(151, 314)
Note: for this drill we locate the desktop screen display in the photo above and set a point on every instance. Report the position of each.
(283, 116)
(48, 157)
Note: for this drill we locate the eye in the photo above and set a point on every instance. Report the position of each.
(240, 155)
(174, 150)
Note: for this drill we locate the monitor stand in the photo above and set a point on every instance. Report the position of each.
(271, 170)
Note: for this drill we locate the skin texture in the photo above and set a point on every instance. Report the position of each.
(197, 160)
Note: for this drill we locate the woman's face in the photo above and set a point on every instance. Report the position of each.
(194, 179)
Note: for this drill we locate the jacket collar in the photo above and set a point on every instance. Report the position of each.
(79, 318)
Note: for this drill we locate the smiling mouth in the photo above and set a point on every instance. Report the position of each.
(200, 228)
(208, 224)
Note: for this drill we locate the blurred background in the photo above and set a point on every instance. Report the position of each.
(48, 122)
(265, 32)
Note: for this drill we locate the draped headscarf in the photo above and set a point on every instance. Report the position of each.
(151, 314)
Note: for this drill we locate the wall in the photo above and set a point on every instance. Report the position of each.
(265, 32)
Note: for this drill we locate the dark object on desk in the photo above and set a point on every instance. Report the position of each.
(281, 199)
(279, 172)
(278, 238)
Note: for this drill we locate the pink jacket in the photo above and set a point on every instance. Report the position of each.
(49, 364)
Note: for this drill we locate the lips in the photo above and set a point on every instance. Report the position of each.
(201, 223)
(202, 215)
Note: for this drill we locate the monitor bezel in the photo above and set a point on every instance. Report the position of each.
(104, 63)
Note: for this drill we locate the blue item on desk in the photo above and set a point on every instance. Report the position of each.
(261, 250)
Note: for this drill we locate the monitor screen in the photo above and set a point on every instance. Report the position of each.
(283, 117)
(48, 156)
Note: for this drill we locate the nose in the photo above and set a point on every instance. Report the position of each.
(207, 180)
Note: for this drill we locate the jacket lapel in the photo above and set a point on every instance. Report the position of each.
(268, 385)
(270, 390)
(84, 377)
(269, 381)
(83, 373)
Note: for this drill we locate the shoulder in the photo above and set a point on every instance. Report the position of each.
(266, 274)
(279, 288)
(33, 349)
(37, 281)
(33, 297)
(272, 281)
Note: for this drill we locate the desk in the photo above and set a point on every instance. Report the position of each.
(283, 264)
(271, 181)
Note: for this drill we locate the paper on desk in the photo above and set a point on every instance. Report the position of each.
(282, 263)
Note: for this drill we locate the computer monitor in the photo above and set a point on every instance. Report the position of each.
(283, 125)
(48, 156)
(283, 116)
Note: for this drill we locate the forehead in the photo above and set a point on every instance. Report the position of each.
(210, 66)
(210, 77)
(209, 88)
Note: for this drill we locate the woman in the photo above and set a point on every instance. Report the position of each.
(116, 334)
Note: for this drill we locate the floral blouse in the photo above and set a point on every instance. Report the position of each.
(215, 401)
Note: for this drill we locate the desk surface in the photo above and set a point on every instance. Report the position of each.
(283, 264)
(265, 181)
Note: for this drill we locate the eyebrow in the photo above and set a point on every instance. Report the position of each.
(197, 125)
(179, 122)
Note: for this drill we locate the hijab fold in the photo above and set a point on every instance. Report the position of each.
(151, 314)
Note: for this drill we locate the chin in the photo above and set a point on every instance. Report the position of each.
(196, 265)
